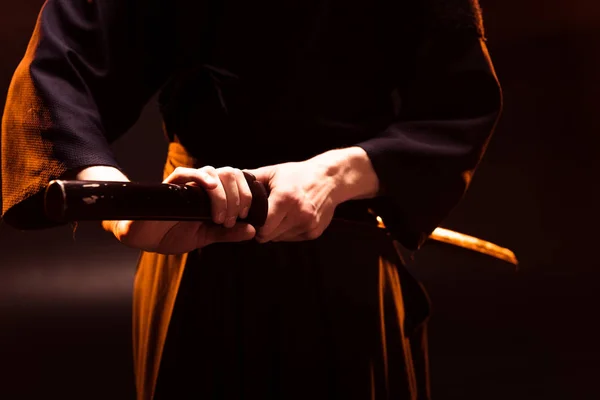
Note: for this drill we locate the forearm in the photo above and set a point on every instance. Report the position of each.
(352, 172)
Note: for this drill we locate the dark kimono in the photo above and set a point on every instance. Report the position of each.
(248, 84)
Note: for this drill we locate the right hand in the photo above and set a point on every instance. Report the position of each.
(230, 198)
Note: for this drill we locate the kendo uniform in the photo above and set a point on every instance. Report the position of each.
(248, 84)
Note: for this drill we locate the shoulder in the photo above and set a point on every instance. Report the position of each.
(454, 15)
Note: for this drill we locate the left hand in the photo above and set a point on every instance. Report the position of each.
(301, 201)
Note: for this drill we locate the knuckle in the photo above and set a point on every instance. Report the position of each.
(208, 171)
(239, 174)
(227, 172)
(180, 171)
(208, 168)
(233, 206)
(308, 216)
(288, 198)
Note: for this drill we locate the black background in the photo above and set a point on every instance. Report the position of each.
(494, 334)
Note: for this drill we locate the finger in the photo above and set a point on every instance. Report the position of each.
(238, 233)
(182, 175)
(305, 227)
(207, 178)
(285, 227)
(262, 174)
(217, 195)
(228, 179)
(279, 205)
(244, 192)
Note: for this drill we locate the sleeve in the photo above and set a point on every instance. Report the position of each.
(89, 69)
(448, 103)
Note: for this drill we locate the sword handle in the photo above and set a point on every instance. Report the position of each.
(73, 200)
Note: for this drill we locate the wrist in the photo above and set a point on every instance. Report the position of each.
(101, 173)
(352, 172)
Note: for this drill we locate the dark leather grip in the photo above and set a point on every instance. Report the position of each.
(72, 200)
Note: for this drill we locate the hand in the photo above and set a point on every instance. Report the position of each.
(301, 201)
(230, 198)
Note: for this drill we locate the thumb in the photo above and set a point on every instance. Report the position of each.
(218, 233)
(120, 229)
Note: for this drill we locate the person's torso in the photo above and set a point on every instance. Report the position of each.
(277, 81)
